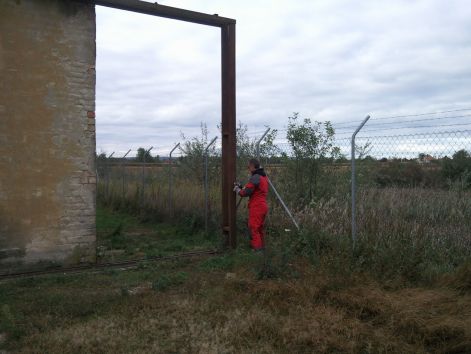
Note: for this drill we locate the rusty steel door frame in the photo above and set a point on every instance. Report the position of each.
(228, 96)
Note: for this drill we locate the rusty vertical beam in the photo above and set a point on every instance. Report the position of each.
(228, 129)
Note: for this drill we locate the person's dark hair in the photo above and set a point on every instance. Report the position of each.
(255, 163)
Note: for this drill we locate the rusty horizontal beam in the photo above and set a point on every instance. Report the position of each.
(154, 9)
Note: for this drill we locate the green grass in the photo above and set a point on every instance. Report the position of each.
(219, 305)
(283, 300)
(122, 236)
(307, 292)
(408, 232)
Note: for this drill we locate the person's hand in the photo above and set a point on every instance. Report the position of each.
(237, 188)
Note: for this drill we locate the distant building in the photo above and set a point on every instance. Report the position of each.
(425, 159)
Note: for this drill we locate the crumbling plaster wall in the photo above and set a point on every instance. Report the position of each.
(47, 131)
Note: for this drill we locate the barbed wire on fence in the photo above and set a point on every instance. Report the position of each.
(426, 122)
(409, 144)
(406, 146)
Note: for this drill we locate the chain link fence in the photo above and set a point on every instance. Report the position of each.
(412, 184)
(416, 184)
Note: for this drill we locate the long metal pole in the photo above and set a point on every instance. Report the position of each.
(354, 223)
(123, 173)
(206, 186)
(283, 203)
(144, 175)
(259, 142)
(170, 179)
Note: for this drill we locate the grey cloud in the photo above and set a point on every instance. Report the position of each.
(336, 60)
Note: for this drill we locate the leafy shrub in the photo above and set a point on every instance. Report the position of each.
(312, 144)
(458, 169)
(402, 174)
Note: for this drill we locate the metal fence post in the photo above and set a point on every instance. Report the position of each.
(108, 171)
(283, 204)
(123, 174)
(170, 179)
(144, 174)
(259, 142)
(354, 224)
(206, 187)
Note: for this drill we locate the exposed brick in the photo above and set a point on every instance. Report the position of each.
(48, 207)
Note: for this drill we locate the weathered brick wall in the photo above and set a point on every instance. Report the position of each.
(47, 131)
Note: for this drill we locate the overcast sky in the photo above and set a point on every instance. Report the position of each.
(327, 59)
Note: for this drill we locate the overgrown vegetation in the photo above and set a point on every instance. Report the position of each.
(312, 144)
(308, 292)
(405, 288)
(458, 169)
(233, 303)
(414, 216)
(122, 236)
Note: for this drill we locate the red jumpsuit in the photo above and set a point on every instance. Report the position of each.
(257, 189)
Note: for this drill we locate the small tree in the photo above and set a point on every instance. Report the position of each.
(101, 157)
(311, 143)
(101, 161)
(193, 159)
(143, 155)
(247, 146)
(458, 168)
(363, 150)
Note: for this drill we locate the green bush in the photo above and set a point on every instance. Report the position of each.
(458, 169)
(406, 174)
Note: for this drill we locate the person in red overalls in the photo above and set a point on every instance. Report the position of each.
(256, 189)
